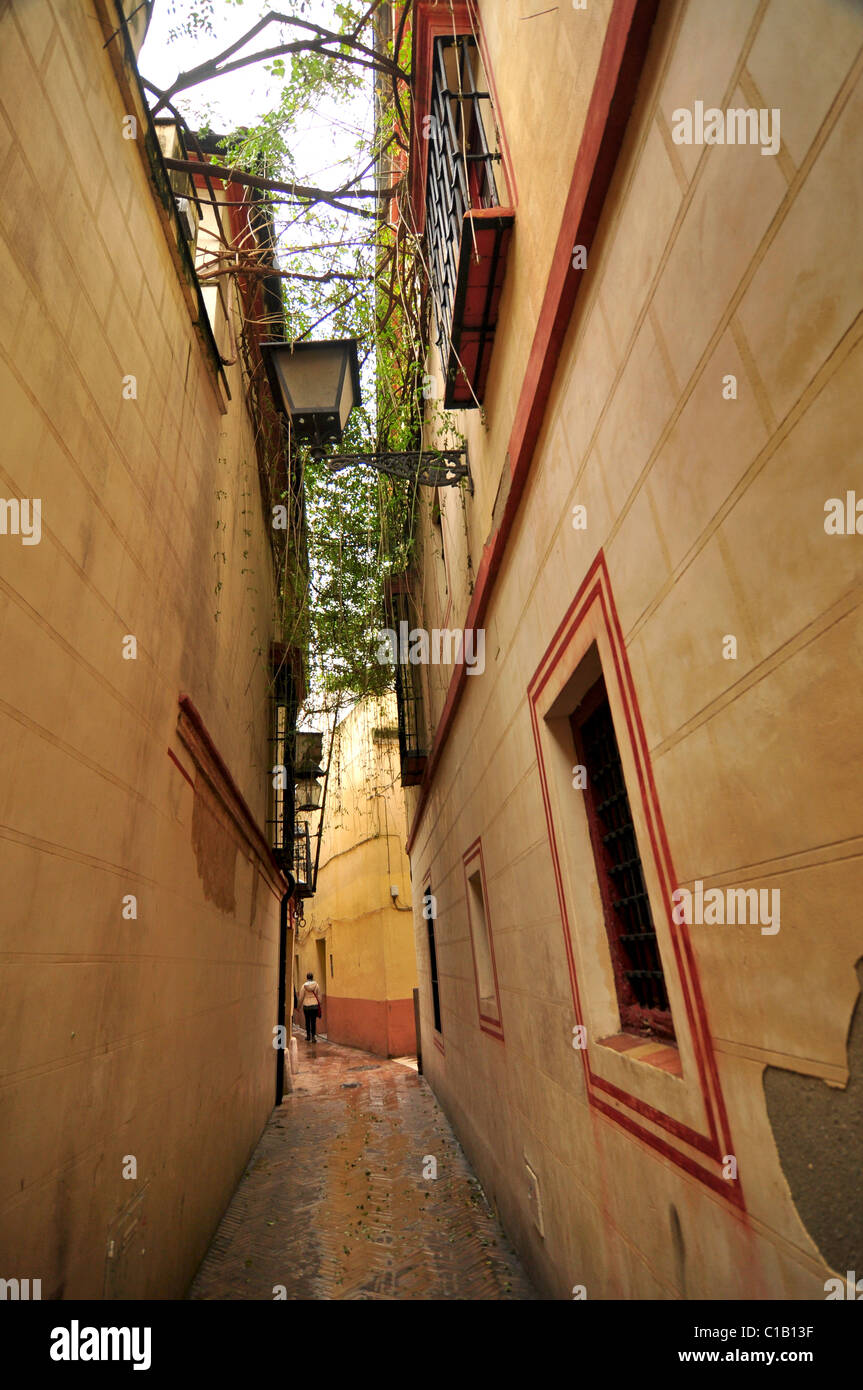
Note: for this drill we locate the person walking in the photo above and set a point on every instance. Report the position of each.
(310, 999)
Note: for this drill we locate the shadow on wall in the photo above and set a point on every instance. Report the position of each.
(819, 1135)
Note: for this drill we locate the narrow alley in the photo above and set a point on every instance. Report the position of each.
(431, 611)
(334, 1203)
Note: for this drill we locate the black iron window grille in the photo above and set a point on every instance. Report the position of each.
(460, 172)
(412, 750)
(408, 682)
(302, 862)
(463, 176)
(280, 823)
(639, 977)
(435, 989)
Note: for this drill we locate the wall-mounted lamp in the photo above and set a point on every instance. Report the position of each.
(317, 384)
(309, 795)
(309, 792)
(308, 751)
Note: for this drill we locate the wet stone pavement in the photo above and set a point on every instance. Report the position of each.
(334, 1205)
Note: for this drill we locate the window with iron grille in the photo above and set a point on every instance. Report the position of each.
(638, 974)
(280, 822)
(409, 702)
(289, 834)
(301, 864)
(466, 240)
(427, 911)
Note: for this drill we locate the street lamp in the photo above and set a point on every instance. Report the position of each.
(307, 770)
(316, 385)
(309, 792)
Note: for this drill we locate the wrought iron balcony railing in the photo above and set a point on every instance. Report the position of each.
(467, 230)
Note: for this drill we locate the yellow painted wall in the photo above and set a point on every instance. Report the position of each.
(369, 989)
(708, 261)
(151, 1037)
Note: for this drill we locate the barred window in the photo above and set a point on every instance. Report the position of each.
(400, 615)
(638, 974)
(467, 228)
(428, 910)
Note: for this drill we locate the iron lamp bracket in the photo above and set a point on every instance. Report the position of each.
(431, 467)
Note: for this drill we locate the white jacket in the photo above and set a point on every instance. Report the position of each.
(309, 994)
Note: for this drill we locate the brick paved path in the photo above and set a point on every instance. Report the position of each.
(334, 1204)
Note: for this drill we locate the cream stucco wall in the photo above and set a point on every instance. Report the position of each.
(148, 1037)
(708, 261)
(367, 936)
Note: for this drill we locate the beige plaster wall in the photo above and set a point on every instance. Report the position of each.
(151, 1037)
(709, 261)
(367, 935)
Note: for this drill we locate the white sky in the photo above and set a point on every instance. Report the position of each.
(241, 98)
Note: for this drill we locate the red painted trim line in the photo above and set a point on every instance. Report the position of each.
(729, 1191)
(620, 65)
(242, 810)
(176, 761)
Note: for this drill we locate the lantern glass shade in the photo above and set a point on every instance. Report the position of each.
(309, 794)
(309, 751)
(315, 384)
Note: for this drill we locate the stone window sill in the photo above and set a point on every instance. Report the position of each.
(664, 1056)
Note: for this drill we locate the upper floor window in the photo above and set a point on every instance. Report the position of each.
(467, 220)
(400, 613)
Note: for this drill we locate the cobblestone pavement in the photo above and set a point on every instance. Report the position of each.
(334, 1205)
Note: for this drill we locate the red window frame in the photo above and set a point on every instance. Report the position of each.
(473, 863)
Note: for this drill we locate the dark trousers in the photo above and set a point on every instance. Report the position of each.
(311, 1020)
